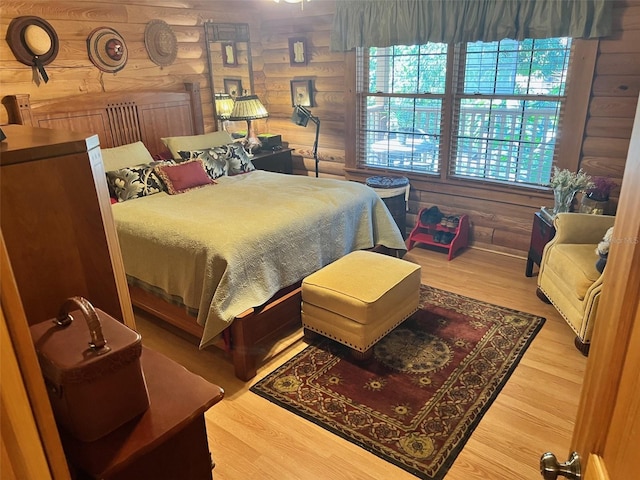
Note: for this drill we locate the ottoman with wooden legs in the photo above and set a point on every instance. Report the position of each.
(359, 298)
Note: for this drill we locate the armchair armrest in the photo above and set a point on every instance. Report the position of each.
(581, 227)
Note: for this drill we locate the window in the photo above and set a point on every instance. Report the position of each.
(476, 111)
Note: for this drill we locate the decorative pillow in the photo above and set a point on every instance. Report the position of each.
(214, 159)
(238, 160)
(129, 155)
(603, 246)
(603, 250)
(135, 182)
(195, 142)
(184, 176)
(164, 155)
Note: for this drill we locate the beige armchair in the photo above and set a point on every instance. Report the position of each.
(568, 277)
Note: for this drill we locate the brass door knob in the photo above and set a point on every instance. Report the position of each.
(550, 468)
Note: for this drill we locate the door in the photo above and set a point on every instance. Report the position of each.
(30, 444)
(607, 430)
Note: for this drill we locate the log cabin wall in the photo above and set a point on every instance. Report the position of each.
(501, 222)
(72, 73)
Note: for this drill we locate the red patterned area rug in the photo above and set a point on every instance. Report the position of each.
(417, 401)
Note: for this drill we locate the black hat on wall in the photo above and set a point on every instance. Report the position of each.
(34, 42)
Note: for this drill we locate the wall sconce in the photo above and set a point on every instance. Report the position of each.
(301, 116)
(249, 108)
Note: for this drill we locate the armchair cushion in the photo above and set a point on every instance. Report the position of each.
(577, 263)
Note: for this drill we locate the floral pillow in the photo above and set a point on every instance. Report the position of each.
(135, 182)
(238, 160)
(229, 159)
(215, 160)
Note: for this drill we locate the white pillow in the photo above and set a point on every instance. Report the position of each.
(188, 143)
(125, 156)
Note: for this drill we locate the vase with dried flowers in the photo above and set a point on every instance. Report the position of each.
(565, 185)
(596, 198)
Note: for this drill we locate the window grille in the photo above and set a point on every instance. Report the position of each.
(477, 111)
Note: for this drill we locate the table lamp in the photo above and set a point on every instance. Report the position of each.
(224, 107)
(249, 108)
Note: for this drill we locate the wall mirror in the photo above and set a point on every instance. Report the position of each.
(229, 58)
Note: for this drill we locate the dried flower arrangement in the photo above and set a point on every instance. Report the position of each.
(565, 185)
(601, 189)
(567, 180)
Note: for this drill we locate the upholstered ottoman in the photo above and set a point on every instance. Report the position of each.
(359, 298)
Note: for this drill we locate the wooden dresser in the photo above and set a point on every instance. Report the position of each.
(57, 222)
(59, 237)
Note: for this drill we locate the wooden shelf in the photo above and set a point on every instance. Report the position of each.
(425, 234)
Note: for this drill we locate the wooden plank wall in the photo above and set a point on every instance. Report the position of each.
(325, 69)
(72, 73)
(499, 222)
(614, 96)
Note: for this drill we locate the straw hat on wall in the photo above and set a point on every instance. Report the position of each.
(107, 49)
(34, 42)
(160, 42)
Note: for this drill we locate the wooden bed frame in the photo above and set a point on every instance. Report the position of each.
(119, 118)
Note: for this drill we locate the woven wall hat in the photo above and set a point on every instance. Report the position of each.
(34, 42)
(107, 49)
(161, 42)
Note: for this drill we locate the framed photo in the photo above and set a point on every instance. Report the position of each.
(301, 93)
(233, 86)
(298, 54)
(229, 54)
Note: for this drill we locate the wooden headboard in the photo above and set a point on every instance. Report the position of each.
(117, 118)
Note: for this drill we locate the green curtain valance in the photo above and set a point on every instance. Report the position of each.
(382, 23)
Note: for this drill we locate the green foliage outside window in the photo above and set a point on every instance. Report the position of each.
(505, 99)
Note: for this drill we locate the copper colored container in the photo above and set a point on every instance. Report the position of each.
(95, 386)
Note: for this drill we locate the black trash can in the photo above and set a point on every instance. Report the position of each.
(394, 192)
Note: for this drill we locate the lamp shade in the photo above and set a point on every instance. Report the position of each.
(224, 105)
(248, 107)
(300, 116)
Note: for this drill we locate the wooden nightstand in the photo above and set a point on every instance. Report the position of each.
(274, 161)
(541, 233)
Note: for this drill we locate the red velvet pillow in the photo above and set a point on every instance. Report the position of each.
(164, 155)
(184, 176)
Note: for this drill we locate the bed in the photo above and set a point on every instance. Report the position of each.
(220, 271)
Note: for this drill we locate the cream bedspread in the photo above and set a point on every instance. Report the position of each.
(225, 248)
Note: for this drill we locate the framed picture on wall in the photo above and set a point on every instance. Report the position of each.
(298, 54)
(233, 86)
(301, 93)
(229, 54)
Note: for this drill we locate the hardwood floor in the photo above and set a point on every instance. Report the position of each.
(253, 438)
